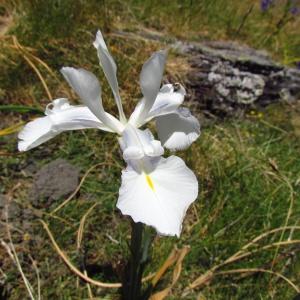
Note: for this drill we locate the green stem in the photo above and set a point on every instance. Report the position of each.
(133, 274)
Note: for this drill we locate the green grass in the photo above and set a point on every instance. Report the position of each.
(241, 196)
(248, 170)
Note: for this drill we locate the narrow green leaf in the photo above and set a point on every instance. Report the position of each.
(21, 109)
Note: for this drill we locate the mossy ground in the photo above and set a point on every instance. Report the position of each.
(248, 170)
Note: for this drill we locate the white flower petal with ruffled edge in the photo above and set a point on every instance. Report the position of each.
(136, 144)
(178, 130)
(87, 87)
(150, 81)
(160, 198)
(169, 98)
(60, 116)
(110, 70)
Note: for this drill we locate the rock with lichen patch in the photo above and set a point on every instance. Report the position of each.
(227, 79)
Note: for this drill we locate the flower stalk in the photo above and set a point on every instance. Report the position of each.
(133, 273)
(141, 240)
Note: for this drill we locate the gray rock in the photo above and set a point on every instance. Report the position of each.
(52, 182)
(227, 78)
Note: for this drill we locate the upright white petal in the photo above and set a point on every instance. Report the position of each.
(178, 130)
(169, 98)
(160, 198)
(151, 75)
(150, 81)
(87, 87)
(60, 116)
(110, 70)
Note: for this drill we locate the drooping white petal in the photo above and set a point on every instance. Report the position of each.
(136, 144)
(110, 70)
(178, 130)
(169, 98)
(87, 87)
(150, 81)
(60, 116)
(35, 133)
(160, 198)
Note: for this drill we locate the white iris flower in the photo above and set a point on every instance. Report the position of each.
(156, 191)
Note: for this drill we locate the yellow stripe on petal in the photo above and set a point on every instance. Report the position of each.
(150, 182)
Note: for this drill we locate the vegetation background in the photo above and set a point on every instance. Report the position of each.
(249, 170)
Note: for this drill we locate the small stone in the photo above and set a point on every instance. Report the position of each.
(52, 182)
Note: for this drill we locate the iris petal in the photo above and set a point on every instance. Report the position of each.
(137, 143)
(150, 81)
(60, 116)
(110, 70)
(87, 87)
(159, 198)
(169, 98)
(178, 130)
